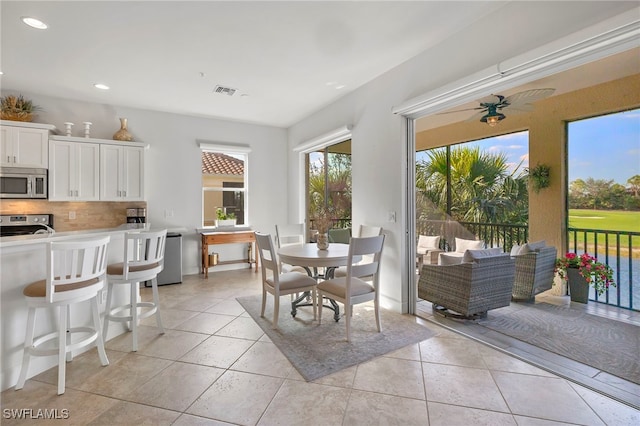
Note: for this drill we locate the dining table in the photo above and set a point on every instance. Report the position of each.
(311, 258)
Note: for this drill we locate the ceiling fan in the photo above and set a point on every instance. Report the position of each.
(491, 106)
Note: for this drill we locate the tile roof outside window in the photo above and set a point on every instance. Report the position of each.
(215, 163)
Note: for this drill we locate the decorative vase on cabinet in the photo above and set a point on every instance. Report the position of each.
(123, 134)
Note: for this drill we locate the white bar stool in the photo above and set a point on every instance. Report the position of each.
(75, 273)
(143, 261)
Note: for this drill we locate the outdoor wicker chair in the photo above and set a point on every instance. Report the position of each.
(469, 289)
(534, 273)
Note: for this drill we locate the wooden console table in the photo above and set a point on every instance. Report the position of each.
(228, 238)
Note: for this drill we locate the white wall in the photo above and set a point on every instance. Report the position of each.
(173, 172)
(378, 143)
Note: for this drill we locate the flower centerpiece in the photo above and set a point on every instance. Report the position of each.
(594, 273)
(322, 222)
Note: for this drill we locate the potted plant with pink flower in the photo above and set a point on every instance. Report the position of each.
(582, 271)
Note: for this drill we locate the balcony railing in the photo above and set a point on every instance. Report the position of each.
(621, 251)
(618, 249)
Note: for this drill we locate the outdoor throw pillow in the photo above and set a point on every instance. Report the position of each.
(426, 242)
(515, 250)
(463, 245)
(449, 259)
(472, 255)
(531, 247)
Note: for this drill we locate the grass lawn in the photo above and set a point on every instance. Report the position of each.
(608, 220)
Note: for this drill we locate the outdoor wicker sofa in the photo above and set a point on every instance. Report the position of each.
(534, 273)
(469, 289)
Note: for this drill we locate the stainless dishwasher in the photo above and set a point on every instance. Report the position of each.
(172, 272)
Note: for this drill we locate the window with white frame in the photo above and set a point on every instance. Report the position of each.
(224, 190)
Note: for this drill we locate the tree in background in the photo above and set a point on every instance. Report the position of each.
(602, 194)
(337, 198)
(482, 189)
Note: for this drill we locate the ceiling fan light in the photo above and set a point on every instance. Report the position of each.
(492, 118)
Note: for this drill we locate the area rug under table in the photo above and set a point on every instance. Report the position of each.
(316, 350)
(605, 344)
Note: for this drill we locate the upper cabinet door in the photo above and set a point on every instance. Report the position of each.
(121, 173)
(24, 146)
(74, 173)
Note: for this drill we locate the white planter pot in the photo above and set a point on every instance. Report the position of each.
(226, 222)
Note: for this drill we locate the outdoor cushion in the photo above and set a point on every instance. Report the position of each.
(340, 235)
(531, 247)
(471, 255)
(426, 243)
(515, 250)
(450, 258)
(462, 245)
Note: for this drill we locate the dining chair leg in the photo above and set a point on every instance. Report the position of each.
(276, 310)
(62, 348)
(314, 298)
(347, 315)
(319, 303)
(376, 306)
(264, 302)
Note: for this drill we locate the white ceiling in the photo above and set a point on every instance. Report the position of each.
(287, 58)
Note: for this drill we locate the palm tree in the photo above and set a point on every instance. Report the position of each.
(482, 189)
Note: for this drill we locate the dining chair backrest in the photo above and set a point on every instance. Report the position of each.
(287, 234)
(268, 259)
(364, 257)
(143, 253)
(75, 268)
(369, 231)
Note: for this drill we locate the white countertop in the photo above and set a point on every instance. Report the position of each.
(23, 240)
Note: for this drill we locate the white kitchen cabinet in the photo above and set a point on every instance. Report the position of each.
(121, 173)
(74, 173)
(24, 144)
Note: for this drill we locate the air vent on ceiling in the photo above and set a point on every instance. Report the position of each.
(224, 90)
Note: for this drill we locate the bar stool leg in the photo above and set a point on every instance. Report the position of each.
(69, 353)
(28, 343)
(134, 315)
(107, 311)
(156, 301)
(62, 348)
(99, 339)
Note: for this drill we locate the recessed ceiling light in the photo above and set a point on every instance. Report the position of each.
(1, 73)
(34, 23)
(101, 86)
(340, 86)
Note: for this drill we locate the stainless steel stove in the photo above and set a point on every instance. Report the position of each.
(25, 224)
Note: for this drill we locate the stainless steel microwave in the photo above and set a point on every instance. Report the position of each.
(18, 182)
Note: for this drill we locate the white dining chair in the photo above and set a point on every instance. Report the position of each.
(75, 274)
(364, 261)
(280, 283)
(143, 260)
(363, 231)
(287, 234)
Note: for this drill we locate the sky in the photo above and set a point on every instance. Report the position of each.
(605, 147)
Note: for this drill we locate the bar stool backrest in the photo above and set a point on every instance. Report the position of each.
(143, 254)
(75, 269)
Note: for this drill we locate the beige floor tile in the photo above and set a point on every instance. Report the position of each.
(411, 352)
(237, 397)
(465, 386)
(306, 403)
(446, 415)
(205, 323)
(391, 376)
(227, 307)
(190, 420)
(173, 344)
(121, 377)
(198, 303)
(124, 342)
(342, 379)
(264, 358)
(176, 387)
(129, 413)
(532, 421)
(498, 361)
(171, 318)
(241, 328)
(369, 408)
(80, 369)
(610, 411)
(217, 351)
(548, 398)
(465, 353)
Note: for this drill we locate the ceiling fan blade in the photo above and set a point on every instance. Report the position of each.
(491, 99)
(461, 110)
(528, 96)
(477, 116)
(518, 108)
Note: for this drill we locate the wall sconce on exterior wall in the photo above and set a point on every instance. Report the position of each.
(540, 177)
